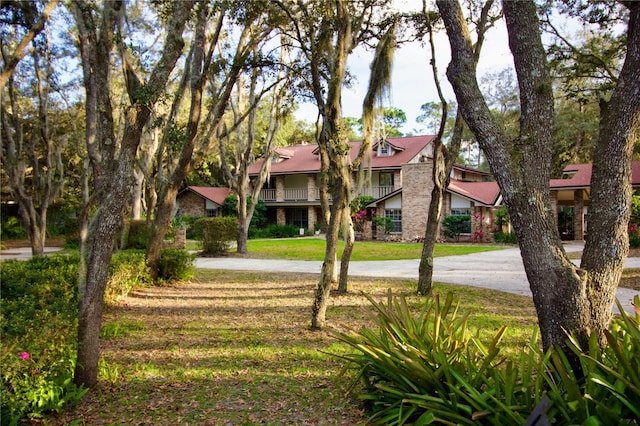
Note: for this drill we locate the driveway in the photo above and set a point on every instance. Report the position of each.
(497, 270)
(500, 270)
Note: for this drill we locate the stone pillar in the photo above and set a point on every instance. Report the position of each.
(397, 179)
(180, 238)
(280, 189)
(281, 216)
(554, 204)
(578, 216)
(312, 192)
(311, 216)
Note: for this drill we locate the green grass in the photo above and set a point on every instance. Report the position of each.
(236, 348)
(313, 249)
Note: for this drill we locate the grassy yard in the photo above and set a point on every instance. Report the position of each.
(235, 348)
(313, 249)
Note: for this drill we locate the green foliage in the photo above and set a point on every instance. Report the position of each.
(506, 238)
(175, 265)
(128, 270)
(502, 217)
(230, 208)
(39, 310)
(360, 203)
(10, 228)
(120, 329)
(137, 235)
(217, 233)
(275, 231)
(428, 368)
(39, 314)
(384, 223)
(194, 232)
(635, 210)
(607, 390)
(455, 225)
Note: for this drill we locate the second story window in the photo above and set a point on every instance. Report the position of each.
(384, 150)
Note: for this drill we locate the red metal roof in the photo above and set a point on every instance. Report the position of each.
(579, 176)
(304, 160)
(486, 193)
(217, 195)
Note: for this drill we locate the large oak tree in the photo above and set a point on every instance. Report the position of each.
(567, 298)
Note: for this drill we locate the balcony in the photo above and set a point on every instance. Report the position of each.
(377, 191)
(290, 194)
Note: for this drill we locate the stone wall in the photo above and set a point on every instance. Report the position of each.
(191, 204)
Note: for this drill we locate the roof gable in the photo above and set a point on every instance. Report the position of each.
(211, 193)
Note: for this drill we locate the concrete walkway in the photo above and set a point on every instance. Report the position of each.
(497, 270)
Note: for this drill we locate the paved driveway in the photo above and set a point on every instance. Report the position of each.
(498, 270)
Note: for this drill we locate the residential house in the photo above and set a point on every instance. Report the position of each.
(571, 198)
(400, 181)
(201, 201)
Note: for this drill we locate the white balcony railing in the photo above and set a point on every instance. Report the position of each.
(295, 194)
(302, 194)
(376, 191)
(268, 194)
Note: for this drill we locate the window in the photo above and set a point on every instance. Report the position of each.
(384, 150)
(386, 179)
(396, 218)
(211, 212)
(466, 226)
(298, 218)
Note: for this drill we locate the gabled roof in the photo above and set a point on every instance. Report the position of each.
(303, 158)
(217, 195)
(486, 193)
(579, 176)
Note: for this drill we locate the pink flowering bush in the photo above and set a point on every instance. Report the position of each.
(634, 235)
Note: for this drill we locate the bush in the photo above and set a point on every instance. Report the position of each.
(128, 270)
(502, 237)
(175, 264)
(38, 317)
(39, 311)
(12, 229)
(275, 231)
(217, 233)
(456, 225)
(384, 223)
(428, 368)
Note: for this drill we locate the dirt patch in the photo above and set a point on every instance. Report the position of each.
(50, 242)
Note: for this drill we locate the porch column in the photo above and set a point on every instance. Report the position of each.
(280, 189)
(281, 216)
(554, 204)
(312, 192)
(578, 216)
(311, 216)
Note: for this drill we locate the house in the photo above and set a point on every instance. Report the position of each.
(571, 198)
(400, 183)
(201, 201)
(292, 193)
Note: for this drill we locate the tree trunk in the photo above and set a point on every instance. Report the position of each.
(243, 224)
(565, 297)
(349, 241)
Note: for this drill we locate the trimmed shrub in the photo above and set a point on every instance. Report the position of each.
(217, 234)
(175, 265)
(455, 225)
(275, 231)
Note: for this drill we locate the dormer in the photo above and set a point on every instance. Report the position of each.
(384, 148)
(281, 154)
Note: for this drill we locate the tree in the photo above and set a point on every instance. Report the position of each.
(26, 16)
(445, 157)
(326, 33)
(112, 159)
(31, 141)
(568, 299)
(249, 139)
(218, 71)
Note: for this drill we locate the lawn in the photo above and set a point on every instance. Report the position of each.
(235, 348)
(313, 249)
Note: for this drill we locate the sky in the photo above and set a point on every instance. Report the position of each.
(412, 79)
